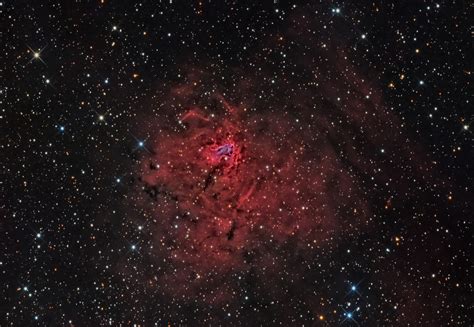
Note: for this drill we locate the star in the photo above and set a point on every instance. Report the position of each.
(36, 54)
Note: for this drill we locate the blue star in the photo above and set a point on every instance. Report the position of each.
(354, 288)
(140, 144)
(349, 316)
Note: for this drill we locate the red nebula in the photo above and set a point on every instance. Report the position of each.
(213, 211)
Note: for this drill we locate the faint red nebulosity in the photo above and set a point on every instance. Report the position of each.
(216, 211)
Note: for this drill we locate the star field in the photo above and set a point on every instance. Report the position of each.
(219, 163)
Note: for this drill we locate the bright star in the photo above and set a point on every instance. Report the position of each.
(140, 144)
(349, 316)
(36, 54)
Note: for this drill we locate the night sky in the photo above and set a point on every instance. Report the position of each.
(244, 163)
